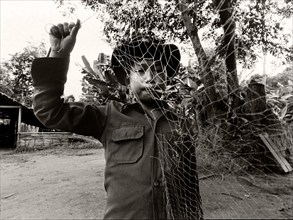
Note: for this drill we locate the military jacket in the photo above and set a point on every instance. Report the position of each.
(134, 181)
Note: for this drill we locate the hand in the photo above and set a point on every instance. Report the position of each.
(63, 38)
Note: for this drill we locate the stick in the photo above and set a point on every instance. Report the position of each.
(6, 197)
(207, 176)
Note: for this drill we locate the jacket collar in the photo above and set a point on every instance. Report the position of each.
(155, 114)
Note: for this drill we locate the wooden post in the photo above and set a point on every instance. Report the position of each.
(275, 152)
(256, 98)
(19, 120)
(18, 125)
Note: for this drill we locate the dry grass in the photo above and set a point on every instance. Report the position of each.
(242, 152)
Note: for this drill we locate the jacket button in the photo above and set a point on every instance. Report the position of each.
(156, 183)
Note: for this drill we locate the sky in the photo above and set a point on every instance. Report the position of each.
(24, 21)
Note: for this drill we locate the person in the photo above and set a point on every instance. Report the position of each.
(134, 135)
(69, 98)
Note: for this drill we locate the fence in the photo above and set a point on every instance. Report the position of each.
(29, 138)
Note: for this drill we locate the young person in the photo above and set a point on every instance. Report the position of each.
(134, 135)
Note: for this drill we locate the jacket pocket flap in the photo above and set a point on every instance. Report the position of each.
(127, 133)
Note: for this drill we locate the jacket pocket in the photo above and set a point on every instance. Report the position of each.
(128, 144)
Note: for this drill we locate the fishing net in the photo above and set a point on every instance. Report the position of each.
(221, 127)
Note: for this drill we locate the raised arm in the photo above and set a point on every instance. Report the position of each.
(63, 38)
(49, 76)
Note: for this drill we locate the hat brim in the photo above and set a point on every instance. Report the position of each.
(125, 55)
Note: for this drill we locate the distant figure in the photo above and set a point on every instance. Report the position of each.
(69, 98)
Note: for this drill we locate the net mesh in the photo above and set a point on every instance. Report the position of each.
(212, 137)
(178, 161)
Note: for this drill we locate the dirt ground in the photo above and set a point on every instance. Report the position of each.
(68, 184)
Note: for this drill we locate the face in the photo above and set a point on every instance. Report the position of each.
(148, 79)
(70, 100)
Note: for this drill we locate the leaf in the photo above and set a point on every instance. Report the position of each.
(283, 112)
(88, 66)
(84, 70)
(110, 78)
(286, 97)
(96, 82)
(186, 102)
(99, 85)
(98, 70)
(191, 83)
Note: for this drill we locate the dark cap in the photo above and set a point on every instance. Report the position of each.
(125, 55)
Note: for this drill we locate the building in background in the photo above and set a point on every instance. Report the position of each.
(13, 118)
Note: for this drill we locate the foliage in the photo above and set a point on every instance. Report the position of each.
(259, 28)
(205, 27)
(16, 76)
(259, 23)
(262, 27)
(256, 26)
(99, 83)
(5, 80)
(280, 95)
(184, 93)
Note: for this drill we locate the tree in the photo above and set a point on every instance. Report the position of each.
(17, 70)
(5, 80)
(237, 30)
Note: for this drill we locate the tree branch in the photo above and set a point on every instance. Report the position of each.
(227, 20)
(206, 74)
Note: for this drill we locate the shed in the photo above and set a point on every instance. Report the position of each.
(12, 114)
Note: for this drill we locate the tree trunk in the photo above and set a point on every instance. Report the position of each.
(227, 20)
(206, 75)
(256, 110)
(255, 102)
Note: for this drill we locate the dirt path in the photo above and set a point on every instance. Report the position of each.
(68, 184)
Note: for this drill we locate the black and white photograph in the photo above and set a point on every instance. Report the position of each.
(146, 109)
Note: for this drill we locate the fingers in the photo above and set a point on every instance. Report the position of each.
(54, 30)
(66, 29)
(63, 30)
(75, 28)
(71, 25)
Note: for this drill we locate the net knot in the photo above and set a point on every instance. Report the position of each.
(145, 37)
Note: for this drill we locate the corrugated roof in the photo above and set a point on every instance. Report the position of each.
(28, 116)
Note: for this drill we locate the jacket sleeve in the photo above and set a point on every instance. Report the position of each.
(49, 77)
